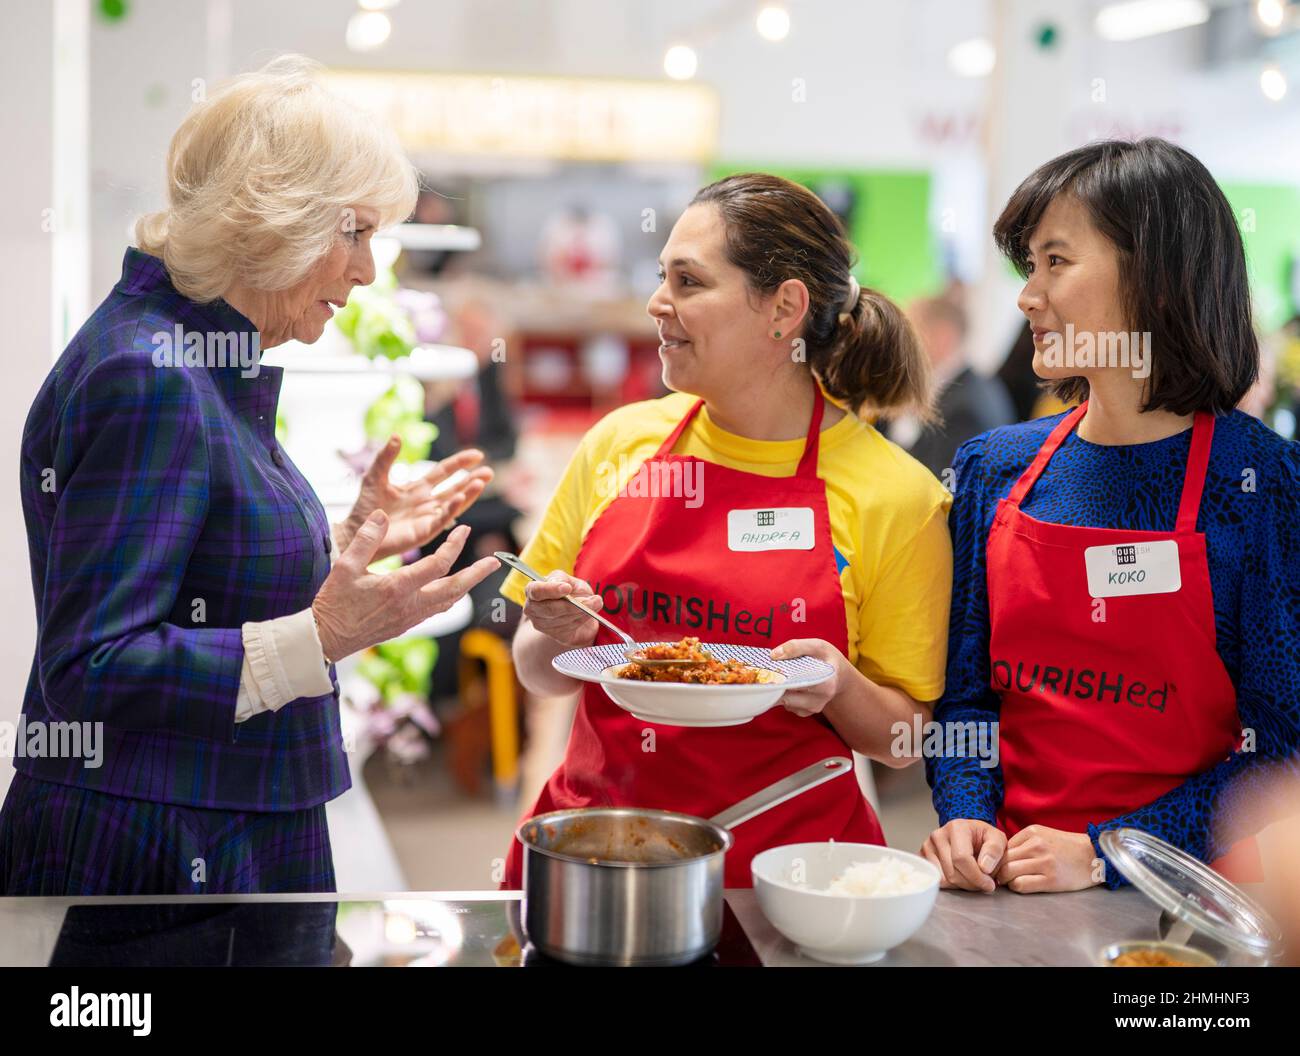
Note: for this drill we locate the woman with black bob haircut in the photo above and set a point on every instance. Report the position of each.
(1126, 588)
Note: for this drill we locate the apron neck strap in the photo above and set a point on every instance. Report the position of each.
(1198, 461)
(670, 441)
(811, 444)
(1035, 468)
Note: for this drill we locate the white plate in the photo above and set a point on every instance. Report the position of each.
(683, 704)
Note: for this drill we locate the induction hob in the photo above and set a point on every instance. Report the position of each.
(382, 931)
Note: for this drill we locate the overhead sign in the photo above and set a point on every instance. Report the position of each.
(577, 119)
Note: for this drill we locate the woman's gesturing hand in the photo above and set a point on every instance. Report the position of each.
(415, 514)
(355, 609)
(968, 853)
(546, 608)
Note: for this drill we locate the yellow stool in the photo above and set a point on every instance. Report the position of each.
(477, 644)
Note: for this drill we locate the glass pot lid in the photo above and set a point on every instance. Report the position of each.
(1191, 892)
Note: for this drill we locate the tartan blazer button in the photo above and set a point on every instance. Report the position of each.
(277, 457)
(325, 541)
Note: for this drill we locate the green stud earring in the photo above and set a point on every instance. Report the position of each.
(777, 334)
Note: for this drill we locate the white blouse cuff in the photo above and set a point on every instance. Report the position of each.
(285, 661)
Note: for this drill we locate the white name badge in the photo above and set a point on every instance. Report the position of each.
(772, 528)
(1127, 569)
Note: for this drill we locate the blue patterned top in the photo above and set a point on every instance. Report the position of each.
(1250, 515)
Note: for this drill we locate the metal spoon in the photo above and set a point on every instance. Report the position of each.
(632, 652)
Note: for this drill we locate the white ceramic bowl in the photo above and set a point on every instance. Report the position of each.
(680, 704)
(838, 929)
(674, 704)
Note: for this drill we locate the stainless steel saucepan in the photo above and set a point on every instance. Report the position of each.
(630, 886)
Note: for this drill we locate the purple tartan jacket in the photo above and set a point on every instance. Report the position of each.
(161, 515)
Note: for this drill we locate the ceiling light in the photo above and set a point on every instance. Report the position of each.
(680, 62)
(1272, 82)
(367, 30)
(773, 22)
(1146, 18)
(972, 58)
(1270, 14)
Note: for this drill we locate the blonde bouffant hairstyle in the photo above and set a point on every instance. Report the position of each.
(259, 178)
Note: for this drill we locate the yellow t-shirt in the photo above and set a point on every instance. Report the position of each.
(888, 519)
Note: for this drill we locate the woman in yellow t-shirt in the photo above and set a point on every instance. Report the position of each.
(772, 350)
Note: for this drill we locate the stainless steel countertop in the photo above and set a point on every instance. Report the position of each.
(965, 929)
(971, 930)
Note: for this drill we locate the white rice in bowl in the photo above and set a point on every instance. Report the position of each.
(888, 876)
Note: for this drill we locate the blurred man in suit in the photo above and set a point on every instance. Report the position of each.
(969, 403)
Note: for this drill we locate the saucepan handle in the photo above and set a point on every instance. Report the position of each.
(787, 788)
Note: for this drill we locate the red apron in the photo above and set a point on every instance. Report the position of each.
(664, 570)
(1110, 702)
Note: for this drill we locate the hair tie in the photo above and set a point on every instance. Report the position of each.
(855, 292)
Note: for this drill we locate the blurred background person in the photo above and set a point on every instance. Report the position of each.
(969, 403)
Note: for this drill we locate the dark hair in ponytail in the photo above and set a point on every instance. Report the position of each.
(867, 357)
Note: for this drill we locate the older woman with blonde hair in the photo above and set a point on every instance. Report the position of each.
(181, 720)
